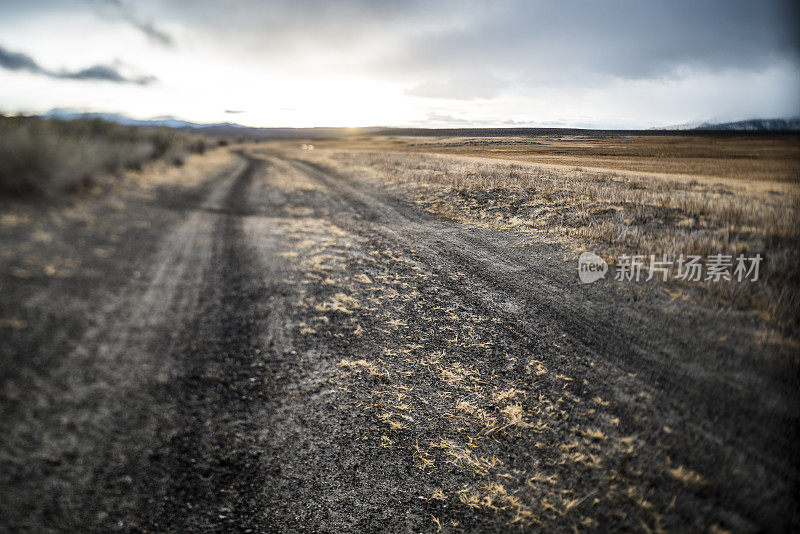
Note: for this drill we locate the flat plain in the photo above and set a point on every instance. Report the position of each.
(388, 333)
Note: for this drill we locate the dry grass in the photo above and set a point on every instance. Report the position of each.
(452, 416)
(612, 213)
(51, 156)
(687, 476)
(433, 397)
(751, 158)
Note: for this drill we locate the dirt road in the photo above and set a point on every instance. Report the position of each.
(270, 346)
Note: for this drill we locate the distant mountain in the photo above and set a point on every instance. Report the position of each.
(752, 125)
(166, 121)
(230, 129)
(225, 129)
(759, 125)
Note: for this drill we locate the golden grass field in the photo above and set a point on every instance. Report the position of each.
(613, 196)
(749, 159)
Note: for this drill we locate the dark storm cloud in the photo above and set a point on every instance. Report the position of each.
(575, 43)
(446, 45)
(474, 49)
(17, 61)
(701, 57)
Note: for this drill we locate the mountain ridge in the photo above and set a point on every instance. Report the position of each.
(749, 125)
(228, 128)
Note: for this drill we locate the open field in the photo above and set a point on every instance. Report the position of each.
(754, 158)
(386, 334)
(703, 202)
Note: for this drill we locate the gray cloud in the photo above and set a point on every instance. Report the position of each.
(126, 12)
(431, 45)
(449, 49)
(445, 118)
(460, 87)
(700, 57)
(155, 34)
(17, 61)
(582, 42)
(274, 28)
(105, 73)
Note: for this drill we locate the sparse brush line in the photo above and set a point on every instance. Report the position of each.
(44, 157)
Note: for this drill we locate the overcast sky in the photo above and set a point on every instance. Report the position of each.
(585, 63)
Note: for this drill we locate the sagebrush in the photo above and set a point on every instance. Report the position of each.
(50, 156)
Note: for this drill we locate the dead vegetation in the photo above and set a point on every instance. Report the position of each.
(40, 156)
(449, 409)
(612, 213)
(754, 158)
(488, 428)
(457, 418)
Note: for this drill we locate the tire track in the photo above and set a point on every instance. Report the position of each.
(210, 462)
(724, 425)
(92, 419)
